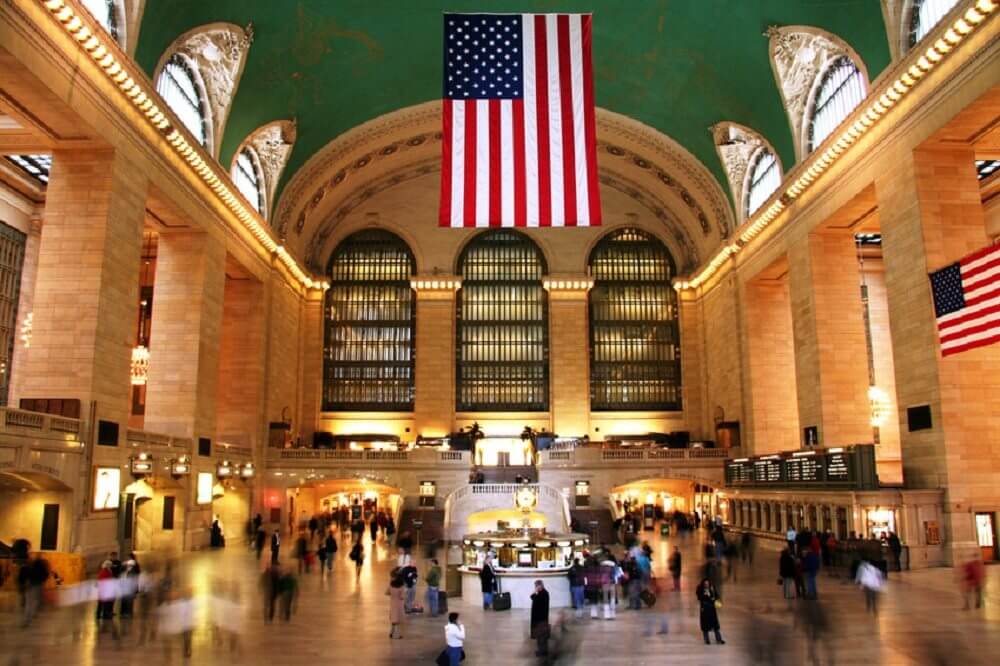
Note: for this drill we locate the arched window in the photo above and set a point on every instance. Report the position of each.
(840, 90)
(246, 174)
(764, 178)
(104, 13)
(634, 337)
(370, 318)
(502, 312)
(178, 88)
(925, 15)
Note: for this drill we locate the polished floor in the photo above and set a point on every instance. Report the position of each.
(342, 619)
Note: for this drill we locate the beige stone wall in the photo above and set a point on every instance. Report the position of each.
(772, 409)
(693, 365)
(240, 388)
(312, 362)
(284, 331)
(887, 452)
(721, 309)
(569, 362)
(434, 399)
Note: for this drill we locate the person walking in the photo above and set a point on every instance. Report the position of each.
(896, 547)
(973, 576)
(373, 528)
(396, 595)
(31, 579)
(674, 566)
(576, 584)
(871, 581)
(810, 567)
(289, 585)
(487, 581)
(433, 581)
(540, 629)
(786, 572)
(358, 556)
(454, 637)
(709, 603)
(259, 538)
(330, 545)
(275, 547)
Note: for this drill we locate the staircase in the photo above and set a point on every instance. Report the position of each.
(432, 528)
(472, 498)
(604, 531)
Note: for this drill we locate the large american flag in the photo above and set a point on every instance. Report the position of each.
(519, 134)
(967, 301)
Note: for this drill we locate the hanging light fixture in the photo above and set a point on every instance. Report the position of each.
(139, 365)
(26, 329)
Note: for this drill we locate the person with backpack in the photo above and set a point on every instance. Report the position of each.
(330, 546)
(433, 593)
(410, 575)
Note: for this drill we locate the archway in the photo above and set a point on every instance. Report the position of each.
(36, 507)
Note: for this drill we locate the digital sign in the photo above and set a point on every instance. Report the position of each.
(107, 488)
(205, 483)
(850, 467)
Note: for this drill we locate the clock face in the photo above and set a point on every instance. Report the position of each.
(525, 498)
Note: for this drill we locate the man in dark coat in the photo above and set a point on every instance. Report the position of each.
(487, 579)
(275, 547)
(540, 629)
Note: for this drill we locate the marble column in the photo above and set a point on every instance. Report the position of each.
(434, 401)
(569, 362)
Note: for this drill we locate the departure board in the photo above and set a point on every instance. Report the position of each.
(848, 467)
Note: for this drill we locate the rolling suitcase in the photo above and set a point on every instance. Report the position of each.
(648, 598)
(442, 601)
(501, 600)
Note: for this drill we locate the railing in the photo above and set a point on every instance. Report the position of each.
(451, 455)
(141, 438)
(506, 490)
(588, 455)
(615, 454)
(40, 425)
(234, 450)
(415, 456)
(560, 455)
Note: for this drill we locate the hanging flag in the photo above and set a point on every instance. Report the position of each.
(520, 144)
(967, 301)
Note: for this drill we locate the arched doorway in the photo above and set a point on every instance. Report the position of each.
(36, 507)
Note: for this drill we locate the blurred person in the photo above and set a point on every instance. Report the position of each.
(357, 555)
(433, 579)
(487, 581)
(129, 585)
(405, 541)
(270, 588)
(746, 548)
(576, 585)
(800, 579)
(177, 618)
(313, 526)
(390, 528)
(275, 546)
(709, 603)
(403, 559)
(810, 568)
(225, 614)
(674, 566)
(289, 594)
(973, 578)
(766, 638)
(410, 576)
(454, 637)
(540, 629)
(786, 572)
(107, 591)
(330, 545)
(373, 528)
(302, 552)
(609, 578)
(816, 625)
(259, 538)
(872, 582)
(31, 579)
(397, 605)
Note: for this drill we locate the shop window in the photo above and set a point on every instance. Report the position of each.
(502, 332)
(634, 336)
(12, 244)
(840, 91)
(926, 14)
(370, 325)
(178, 87)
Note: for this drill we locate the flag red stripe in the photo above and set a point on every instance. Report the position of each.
(495, 162)
(985, 281)
(971, 273)
(444, 219)
(971, 330)
(470, 164)
(971, 345)
(590, 129)
(520, 185)
(993, 293)
(542, 112)
(979, 254)
(566, 102)
(972, 316)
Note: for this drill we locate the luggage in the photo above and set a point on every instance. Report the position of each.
(648, 598)
(501, 601)
(442, 601)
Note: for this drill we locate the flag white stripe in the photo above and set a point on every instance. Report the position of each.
(972, 309)
(555, 122)
(530, 120)
(986, 258)
(979, 277)
(457, 163)
(482, 163)
(507, 162)
(579, 137)
(973, 337)
(965, 325)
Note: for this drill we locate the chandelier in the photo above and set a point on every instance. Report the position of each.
(139, 367)
(880, 406)
(26, 329)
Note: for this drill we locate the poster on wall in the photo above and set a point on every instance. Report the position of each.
(107, 485)
(204, 488)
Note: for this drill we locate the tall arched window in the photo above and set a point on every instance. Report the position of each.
(104, 13)
(634, 337)
(764, 178)
(926, 14)
(178, 88)
(370, 318)
(249, 181)
(840, 91)
(502, 310)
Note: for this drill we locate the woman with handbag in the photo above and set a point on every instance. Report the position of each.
(396, 594)
(709, 603)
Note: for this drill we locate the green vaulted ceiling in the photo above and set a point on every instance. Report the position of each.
(677, 65)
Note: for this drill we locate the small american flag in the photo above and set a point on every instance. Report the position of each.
(967, 301)
(518, 114)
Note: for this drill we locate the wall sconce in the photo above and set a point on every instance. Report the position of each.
(180, 467)
(247, 471)
(224, 469)
(141, 465)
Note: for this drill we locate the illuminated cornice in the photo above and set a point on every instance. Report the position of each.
(137, 90)
(857, 125)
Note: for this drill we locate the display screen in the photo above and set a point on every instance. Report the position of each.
(851, 466)
(204, 488)
(807, 469)
(767, 471)
(838, 467)
(107, 488)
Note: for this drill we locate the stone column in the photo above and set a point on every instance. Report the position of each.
(312, 362)
(434, 402)
(86, 297)
(569, 360)
(831, 368)
(185, 335)
(931, 216)
(240, 394)
(25, 306)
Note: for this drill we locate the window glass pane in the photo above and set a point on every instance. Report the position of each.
(12, 244)
(841, 90)
(37, 166)
(370, 318)
(634, 337)
(502, 311)
(764, 180)
(177, 87)
(103, 12)
(926, 14)
(247, 178)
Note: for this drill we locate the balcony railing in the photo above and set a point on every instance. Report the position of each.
(596, 456)
(21, 422)
(415, 456)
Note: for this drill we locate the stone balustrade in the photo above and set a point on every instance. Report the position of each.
(317, 457)
(40, 426)
(594, 455)
(156, 441)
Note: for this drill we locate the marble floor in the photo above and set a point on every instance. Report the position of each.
(343, 619)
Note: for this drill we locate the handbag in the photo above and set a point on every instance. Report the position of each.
(718, 603)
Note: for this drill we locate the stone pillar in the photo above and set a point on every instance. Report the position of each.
(25, 306)
(434, 402)
(312, 362)
(693, 399)
(185, 335)
(831, 366)
(86, 296)
(931, 215)
(569, 361)
(240, 388)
